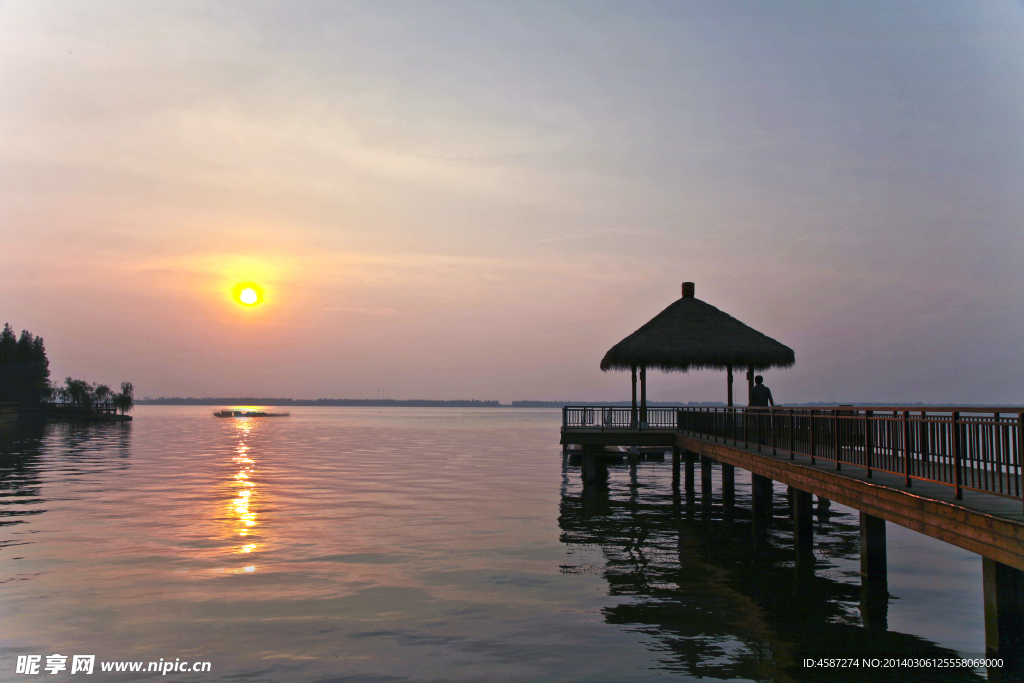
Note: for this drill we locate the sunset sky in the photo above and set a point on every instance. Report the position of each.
(478, 199)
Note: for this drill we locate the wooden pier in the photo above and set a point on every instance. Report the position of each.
(953, 473)
(94, 412)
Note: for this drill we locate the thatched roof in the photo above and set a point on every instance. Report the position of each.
(693, 335)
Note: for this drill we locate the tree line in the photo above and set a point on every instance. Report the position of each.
(363, 402)
(25, 379)
(81, 394)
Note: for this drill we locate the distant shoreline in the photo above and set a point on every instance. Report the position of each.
(475, 403)
(387, 403)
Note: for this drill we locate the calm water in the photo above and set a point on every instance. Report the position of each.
(357, 544)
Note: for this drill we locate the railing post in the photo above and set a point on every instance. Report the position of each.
(792, 429)
(1020, 453)
(867, 441)
(922, 437)
(835, 438)
(906, 447)
(813, 449)
(955, 442)
(1001, 448)
(771, 428)
(746, 435)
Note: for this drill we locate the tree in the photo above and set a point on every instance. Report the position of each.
(8, 360)
(102, 393)
(79, 392)
(24, 368)
(40, 371)
(125, 400)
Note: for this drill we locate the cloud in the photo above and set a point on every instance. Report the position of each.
(368, 311)
(605, 232)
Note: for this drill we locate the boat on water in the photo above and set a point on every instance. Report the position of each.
(247, 413)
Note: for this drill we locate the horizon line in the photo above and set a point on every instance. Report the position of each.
(494, 403)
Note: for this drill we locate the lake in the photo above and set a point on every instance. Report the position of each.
(418, 544)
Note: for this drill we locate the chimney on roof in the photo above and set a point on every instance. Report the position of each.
(687, 290)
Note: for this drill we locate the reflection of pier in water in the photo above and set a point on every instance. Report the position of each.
(723, 595)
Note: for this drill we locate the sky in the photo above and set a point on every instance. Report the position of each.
(477, 200)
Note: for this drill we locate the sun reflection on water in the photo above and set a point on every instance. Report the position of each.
(242, 515)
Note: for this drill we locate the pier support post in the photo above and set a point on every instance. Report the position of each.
(728, 480)
(803, 521)
(705, 474)
(588, 468)
(728, 488)
(873, 566)
(1004, 615)
(761, 496)
(594, 470)
(676, 459)
(874, 587)
(761, 504)
(689, 470)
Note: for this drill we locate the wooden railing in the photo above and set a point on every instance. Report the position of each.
(97, 408)
(964, 447)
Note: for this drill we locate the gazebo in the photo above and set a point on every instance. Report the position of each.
(691, 334)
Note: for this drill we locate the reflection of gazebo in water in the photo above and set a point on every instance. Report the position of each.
(693, 335)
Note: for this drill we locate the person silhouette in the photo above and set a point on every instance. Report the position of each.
(760, 395)
(761, 398)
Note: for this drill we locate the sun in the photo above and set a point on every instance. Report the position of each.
(248, 293)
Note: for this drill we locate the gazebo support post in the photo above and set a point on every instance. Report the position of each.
(750, 382)
(728, 374)
(643, 394)
(632, 415)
